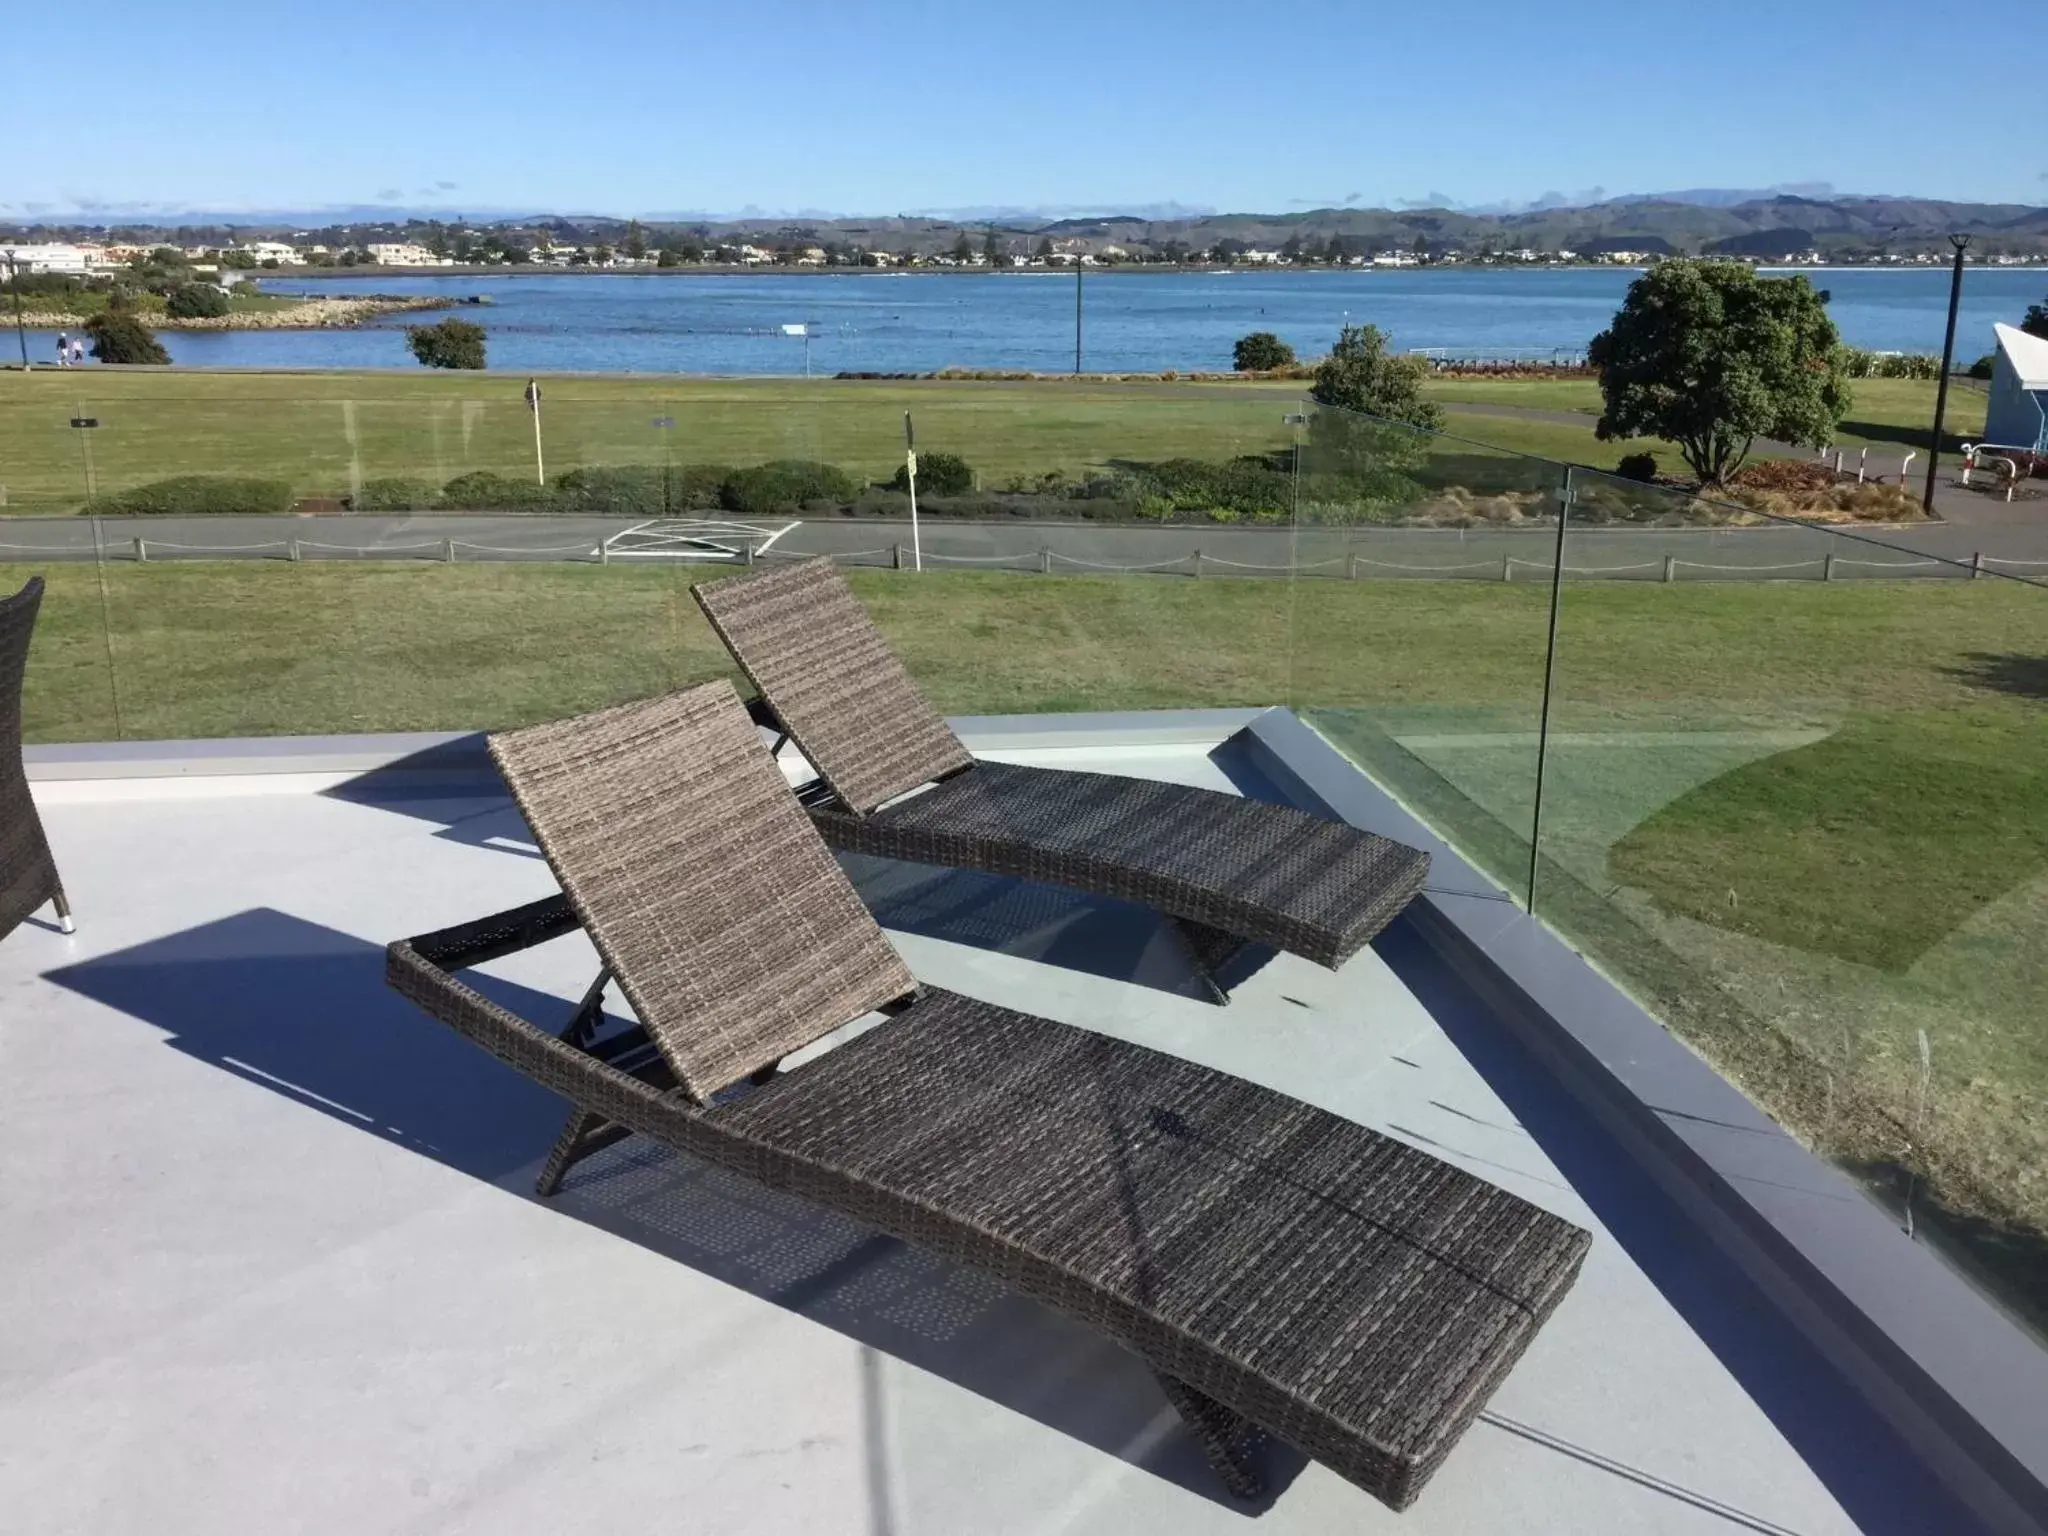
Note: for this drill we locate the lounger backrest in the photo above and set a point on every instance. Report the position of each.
(729, 927)
(17, 626)
(804, 640)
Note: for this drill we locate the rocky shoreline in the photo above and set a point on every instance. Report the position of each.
(312, 315)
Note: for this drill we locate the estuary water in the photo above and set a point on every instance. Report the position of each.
(1131, 321)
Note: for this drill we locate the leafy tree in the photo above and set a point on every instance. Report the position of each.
(2036, 323)
(195, 301)
(668, 256)
(118, 335)
(992, 248)
(635, 243)
(1361, 375)
(938, 474)
(601, 255)
(1711, 356)
(1291, 251)
(239, 261)
(1260, 351)
(449, 344)
(691, 251)
(963, 249)
(1044, 250)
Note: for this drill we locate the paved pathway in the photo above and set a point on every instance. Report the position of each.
(1789, 553)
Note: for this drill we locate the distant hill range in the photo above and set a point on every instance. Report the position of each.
(1706, 221)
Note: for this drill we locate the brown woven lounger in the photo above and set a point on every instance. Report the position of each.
(1280, 1269)
(1226, 869)
(28, 875)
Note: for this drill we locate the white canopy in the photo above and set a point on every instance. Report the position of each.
(2029, 355)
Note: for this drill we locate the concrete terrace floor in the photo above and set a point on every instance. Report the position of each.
(272, 1262)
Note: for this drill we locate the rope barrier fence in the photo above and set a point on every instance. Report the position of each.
(1350, 566)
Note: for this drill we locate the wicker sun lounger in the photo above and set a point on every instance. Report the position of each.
(1226, 869)
(1281, 1270)
(28, 875)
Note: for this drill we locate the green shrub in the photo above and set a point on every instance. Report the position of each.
(938, 474)
(1637, 466)
(1860, 363)
(486, 490)
(784, 485)
(119, 336)
(195, 301)
(1261, 352)
(1249, 486)
(642, 490)
(448, 344)
(1985, 366)
(188, 494)
(395, 494)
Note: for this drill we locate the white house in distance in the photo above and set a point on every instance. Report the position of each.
(275, 250)
(49, 257)
(403, 255)
(2017, 414)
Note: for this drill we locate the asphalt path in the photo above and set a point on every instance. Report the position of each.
(2018, 545)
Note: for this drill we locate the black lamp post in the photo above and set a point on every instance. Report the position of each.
(1948, 354)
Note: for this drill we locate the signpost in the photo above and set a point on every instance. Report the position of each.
(533, 404)
(910, 474)
(665, 425)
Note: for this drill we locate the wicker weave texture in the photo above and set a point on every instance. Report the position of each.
(807, 644)
(28, 874)
(1279, 1267)
(1306, 884)
(731, 929)
(1354, 1296)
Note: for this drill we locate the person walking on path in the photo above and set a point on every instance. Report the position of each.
(77, 353)
(63, 351)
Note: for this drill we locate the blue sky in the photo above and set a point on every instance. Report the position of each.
(889, 106)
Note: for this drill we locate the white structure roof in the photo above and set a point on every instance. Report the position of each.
(2029, 355)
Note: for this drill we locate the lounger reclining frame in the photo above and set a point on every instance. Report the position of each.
(28, 874)
(1281, 1270)
(894, 782)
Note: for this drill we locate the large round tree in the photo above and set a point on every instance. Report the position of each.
(1713, 357)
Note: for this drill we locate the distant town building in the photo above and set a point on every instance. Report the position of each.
(50, 257)
(403, 254)
(2017, 414)
(277, 251)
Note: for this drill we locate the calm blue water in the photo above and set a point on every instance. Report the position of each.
(912, 322)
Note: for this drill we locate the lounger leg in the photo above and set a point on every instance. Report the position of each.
(64, 923)
(1227, 1438)
(583, 1134)
(1209, 948)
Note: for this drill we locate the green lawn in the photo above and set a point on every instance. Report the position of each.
(1887, 414)
(1806, 825)
(321, 431)
(325, 431)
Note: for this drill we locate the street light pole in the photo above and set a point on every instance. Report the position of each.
(1948, 353)
(1077, 312)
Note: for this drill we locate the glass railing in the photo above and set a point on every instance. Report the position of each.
(1421, 617)
(1795, 800)
(1781, 780)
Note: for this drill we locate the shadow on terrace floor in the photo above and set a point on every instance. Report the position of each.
(302, 1010)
